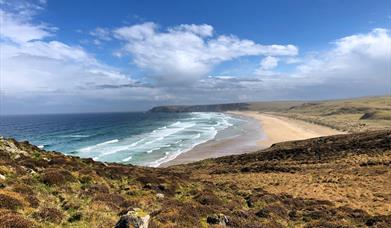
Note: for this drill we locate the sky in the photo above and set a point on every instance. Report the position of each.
(109, 56)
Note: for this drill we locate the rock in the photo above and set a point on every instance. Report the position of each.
(75, 217)
(2, 177)
(219, 219)
(148, 186)
(160, 195)
(263, 213)
(136, 218)
(31, 171)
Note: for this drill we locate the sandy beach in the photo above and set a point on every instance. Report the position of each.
(280, 129)
(261, 131)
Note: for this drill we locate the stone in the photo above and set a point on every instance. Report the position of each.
(218, 219)
(160, 195)
(136, 218)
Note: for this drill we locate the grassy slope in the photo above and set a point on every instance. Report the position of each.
(346, 115)
(338, 180)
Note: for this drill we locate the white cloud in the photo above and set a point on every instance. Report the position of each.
(53, 73)
(357, 57)
(201, 30)
(136, 32)
(357, 65)
(40, 72)
(17, 30)
(269, 63)
(188, 52)
(101, 33)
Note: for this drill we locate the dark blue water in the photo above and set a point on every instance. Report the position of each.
(137, 138)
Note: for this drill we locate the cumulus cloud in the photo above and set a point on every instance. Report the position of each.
(269, 63)
(356, 65)
(360, 58)
(201, 30)
(188, 52)
(136, 32)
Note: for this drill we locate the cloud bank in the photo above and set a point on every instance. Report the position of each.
(50, 76)
(186, 53)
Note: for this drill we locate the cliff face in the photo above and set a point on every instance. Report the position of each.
(201, 108)
(341, 180)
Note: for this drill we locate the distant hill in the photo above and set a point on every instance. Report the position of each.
(201, 108)
(352, 115)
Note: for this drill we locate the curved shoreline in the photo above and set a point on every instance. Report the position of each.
(263, 131)
(238, 139)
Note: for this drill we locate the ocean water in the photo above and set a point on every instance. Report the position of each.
(136, 138)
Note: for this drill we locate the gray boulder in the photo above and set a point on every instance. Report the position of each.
(136, 218)
(219, 219)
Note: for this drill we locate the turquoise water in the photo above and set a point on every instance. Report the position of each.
(137, 138)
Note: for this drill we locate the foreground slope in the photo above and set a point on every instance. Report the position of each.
(342, 180)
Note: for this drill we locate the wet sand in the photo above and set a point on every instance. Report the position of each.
(259, 131)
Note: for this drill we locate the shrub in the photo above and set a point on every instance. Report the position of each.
(57, 177)
(9, 200)
(14, 220)
(49, 214)
(208, 198)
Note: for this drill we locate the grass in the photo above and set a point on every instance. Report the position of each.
(344, 183)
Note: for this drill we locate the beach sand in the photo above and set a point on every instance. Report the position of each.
(259, 132)
(280, 129)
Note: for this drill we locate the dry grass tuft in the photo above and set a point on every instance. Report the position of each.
(57, 177)
(14, 220)
(48, 214)
(10, 200)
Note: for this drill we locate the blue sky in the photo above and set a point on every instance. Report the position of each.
(87, 56)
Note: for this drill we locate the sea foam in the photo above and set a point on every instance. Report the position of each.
(163, 143)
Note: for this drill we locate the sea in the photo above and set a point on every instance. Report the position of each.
(139, 138)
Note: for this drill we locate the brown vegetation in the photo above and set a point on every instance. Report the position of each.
(336, 181)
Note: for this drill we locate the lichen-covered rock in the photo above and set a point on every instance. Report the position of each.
(136, 218)
(160, 196)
